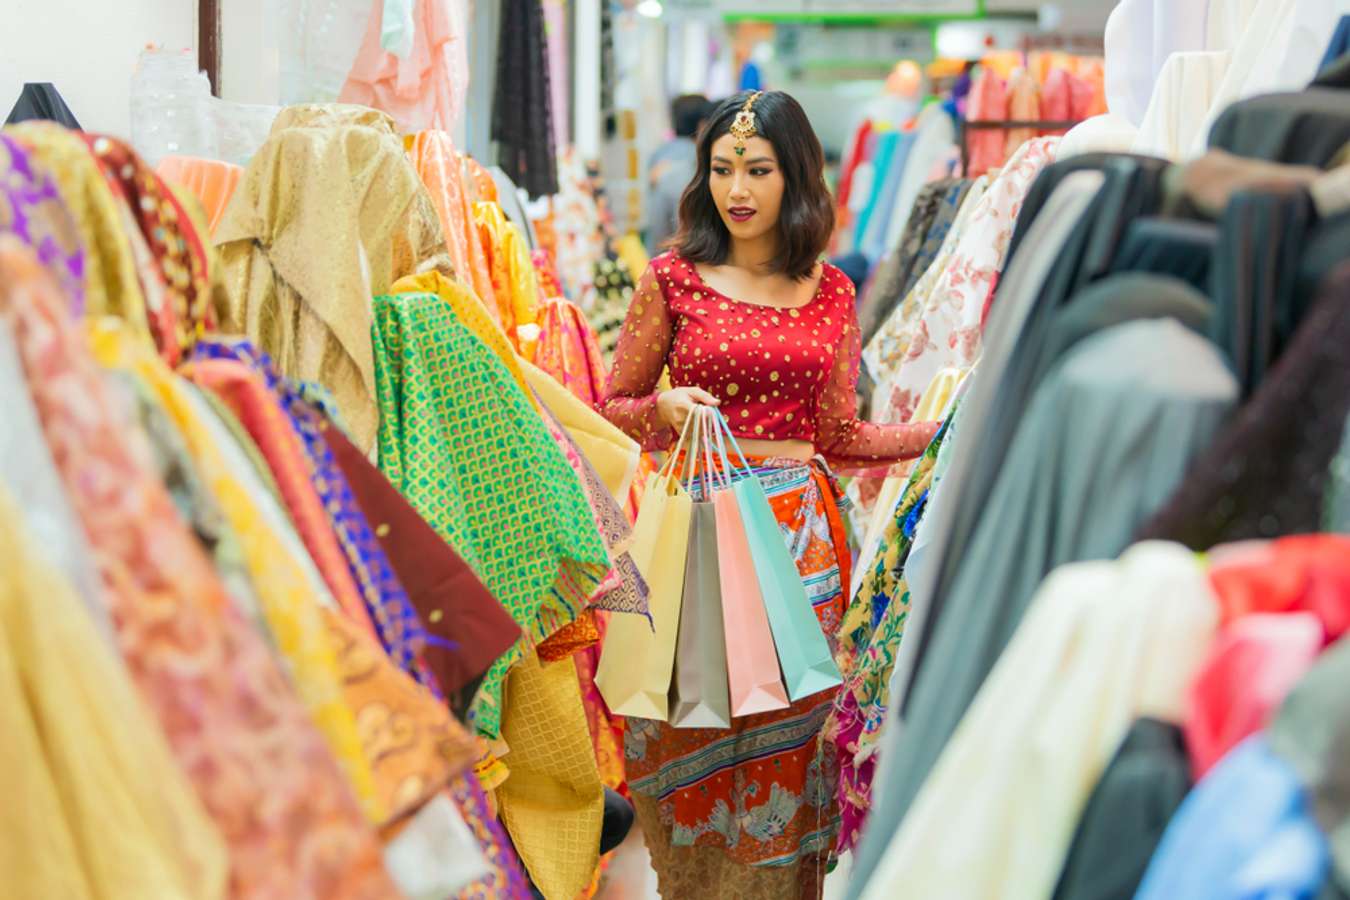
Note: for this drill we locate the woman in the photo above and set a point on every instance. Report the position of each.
(748, 319)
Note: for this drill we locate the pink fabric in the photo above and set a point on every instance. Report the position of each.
(1024, 105)
(426, 90)
(1253, 665)
(568, 351)
(555, 28)
(1057, 98)
(988, 103)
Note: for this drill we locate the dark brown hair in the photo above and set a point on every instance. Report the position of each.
(806, 219)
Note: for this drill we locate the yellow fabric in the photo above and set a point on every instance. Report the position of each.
(613, 454)
(111, 284)
(931, 406)
(323, 219)
(293, 617)
(99, 808)
(471, 314)
(334, 115)
(553, 803)
(633, 254)
(513, 276)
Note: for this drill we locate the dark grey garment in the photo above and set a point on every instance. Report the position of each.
(41, 101)
(1312, 734)
(938, 231)
(1336, 507)
(883, 291)
(1309, 127)
(1132, 186)
(1127, 814)
(1108, 435)
(509, 197)
(1254, 270)
(678, 161)
(1267, 474)
(1176, 247)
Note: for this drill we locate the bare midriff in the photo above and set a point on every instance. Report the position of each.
(802, 450)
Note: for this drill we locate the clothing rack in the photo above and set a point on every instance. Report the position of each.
(1006, 125)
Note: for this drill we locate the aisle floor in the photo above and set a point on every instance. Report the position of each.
(631, 877)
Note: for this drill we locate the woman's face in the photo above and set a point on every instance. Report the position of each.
(748, 189)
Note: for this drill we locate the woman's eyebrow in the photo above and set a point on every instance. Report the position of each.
(757, 159)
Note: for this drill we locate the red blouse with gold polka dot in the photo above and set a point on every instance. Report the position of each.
(782, 374)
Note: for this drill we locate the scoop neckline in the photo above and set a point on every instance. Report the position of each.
(820, 289)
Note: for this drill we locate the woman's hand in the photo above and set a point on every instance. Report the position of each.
(675, 406)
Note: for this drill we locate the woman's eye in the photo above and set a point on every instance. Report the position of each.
(760, 173)
(721, 171)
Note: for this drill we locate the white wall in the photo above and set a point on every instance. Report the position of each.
(87, 48)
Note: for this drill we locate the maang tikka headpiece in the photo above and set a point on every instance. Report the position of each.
(743, 129)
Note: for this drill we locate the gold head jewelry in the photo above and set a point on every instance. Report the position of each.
(743, 128)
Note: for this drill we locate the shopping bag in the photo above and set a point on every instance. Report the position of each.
(753, 676)
(699, 696)
(637, 657)
(803, 652)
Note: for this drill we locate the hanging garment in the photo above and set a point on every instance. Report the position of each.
(522, 109)
(1336, 505)
(872, 238)
(213, 183)
(305, 242)
(1140, 37)
(569, 351)
(947, 329)
(1024, 105)
(944, 223)
(560, 88)
(424, 90)
(1253, 665)
(41, 101)
(934, 141)
(289, 587)
(986, 148)
(1102, 644)
(506, 880)
(1126, 815)
(1310, 734)
(32, 210)
(111, 285)
(580, 231)
(553, 803)
(319, 43)
(542, 557)
(1309, 127)
(1245, 831)
(1161, 416)
(31, 479)
(751, 808)
(883, 290)
(887, 143)
(467, 628)
(107, 811)
(1188, 86)
(317, 842)
(514, 282)
(438, 165)
(1337, 47)
(509, 197)
(1275, 457)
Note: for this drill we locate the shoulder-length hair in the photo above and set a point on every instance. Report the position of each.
(806, 219)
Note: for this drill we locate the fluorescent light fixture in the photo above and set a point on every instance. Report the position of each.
(652, 9)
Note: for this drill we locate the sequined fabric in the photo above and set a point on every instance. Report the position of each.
(31, 209)
(781, 373)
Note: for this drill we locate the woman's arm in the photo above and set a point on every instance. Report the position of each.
(841, 438)
(630, 401)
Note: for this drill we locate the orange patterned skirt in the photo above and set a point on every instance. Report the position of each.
(750, 811)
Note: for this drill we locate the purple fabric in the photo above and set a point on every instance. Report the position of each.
(31, 208)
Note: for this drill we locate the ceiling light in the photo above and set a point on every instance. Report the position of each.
(652, 9)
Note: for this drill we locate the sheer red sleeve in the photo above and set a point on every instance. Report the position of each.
(639, 359)
(843, 440)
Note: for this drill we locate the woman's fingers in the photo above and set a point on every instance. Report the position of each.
(698, 395)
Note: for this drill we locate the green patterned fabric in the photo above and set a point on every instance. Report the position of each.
(464, 445)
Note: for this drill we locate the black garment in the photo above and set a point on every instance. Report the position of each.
(1255, 268)
(1267, 473)
(1308, 127)
(522, 109)
(1127, 814)
(42, 101)
(1176, 247)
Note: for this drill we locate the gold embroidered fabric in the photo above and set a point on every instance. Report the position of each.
(324, 219)
(101, 809)
(553, 803)
(334, 115)
(289, 605)
(514, 281)
(111, 284)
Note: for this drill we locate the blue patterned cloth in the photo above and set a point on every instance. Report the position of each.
(396, 621)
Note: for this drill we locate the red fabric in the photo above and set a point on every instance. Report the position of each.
(1309, 573)
(1253, 665)
(781, 374)
(857, 153)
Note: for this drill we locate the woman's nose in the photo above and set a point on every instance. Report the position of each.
(739, 186)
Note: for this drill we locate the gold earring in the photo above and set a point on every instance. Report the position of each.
(743, 128)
